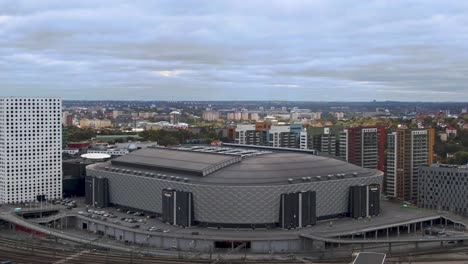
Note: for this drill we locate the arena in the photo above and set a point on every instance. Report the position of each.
(232, 187)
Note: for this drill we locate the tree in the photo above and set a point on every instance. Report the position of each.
(80, 134)
(463, 135)
(460, 158)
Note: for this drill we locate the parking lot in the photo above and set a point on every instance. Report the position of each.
(119, 216)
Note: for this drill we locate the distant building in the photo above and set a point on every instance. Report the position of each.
(443, 137)
(117, 113)
(407, 150)
(244, 115)
(265, 134)
(294, 116)
(174, 117)
(234, 116)
(231, 133)
(339, 115)
(451, 131)
(323, 139)
(67, 119)
(210, 115)
(316, 115)
(30, 149)
(78, 145)
(146, 115)
(254, 116)
(364, 146)
(112, 152)
(443, 187)
(95, 123)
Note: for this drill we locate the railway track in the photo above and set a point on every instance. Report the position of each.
(34, 252)
(45, 251)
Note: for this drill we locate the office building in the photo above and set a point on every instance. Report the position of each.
(30, 149)
(407, 150)
(364, 146)
(443, 187)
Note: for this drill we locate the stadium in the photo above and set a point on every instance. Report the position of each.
(235, 187)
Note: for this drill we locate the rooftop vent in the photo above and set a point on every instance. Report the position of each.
(290, 180)
(318, 177)
(185, 179)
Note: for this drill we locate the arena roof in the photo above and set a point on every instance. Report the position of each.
(174, 160)
(224, 169)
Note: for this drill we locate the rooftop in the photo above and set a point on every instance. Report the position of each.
(175, 160)
(234, 168)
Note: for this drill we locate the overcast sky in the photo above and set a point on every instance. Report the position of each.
(235, 50)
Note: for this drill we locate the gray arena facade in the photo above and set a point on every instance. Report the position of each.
(231, 187)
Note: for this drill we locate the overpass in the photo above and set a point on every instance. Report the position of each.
(14, 219)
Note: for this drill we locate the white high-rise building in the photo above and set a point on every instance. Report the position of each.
(30, 149)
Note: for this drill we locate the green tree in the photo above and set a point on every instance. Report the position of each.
(460, 158)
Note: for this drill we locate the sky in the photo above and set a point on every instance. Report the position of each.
(292, 50)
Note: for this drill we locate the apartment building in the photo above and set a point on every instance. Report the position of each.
(407, 150)
(364, 146)
(30, 149)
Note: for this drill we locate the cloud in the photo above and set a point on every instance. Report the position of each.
(235, 50)
(286, 85)
(169, 73)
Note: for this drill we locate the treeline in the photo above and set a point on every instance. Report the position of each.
(167, 138)
(457, 146)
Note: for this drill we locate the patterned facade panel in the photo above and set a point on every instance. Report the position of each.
(444, 188)
(229, 204)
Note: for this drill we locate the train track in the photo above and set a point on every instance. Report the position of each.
(34, 252)
(45, 251)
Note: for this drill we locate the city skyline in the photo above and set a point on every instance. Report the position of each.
(199, 50)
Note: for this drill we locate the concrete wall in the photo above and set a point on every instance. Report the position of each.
(161, 240)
